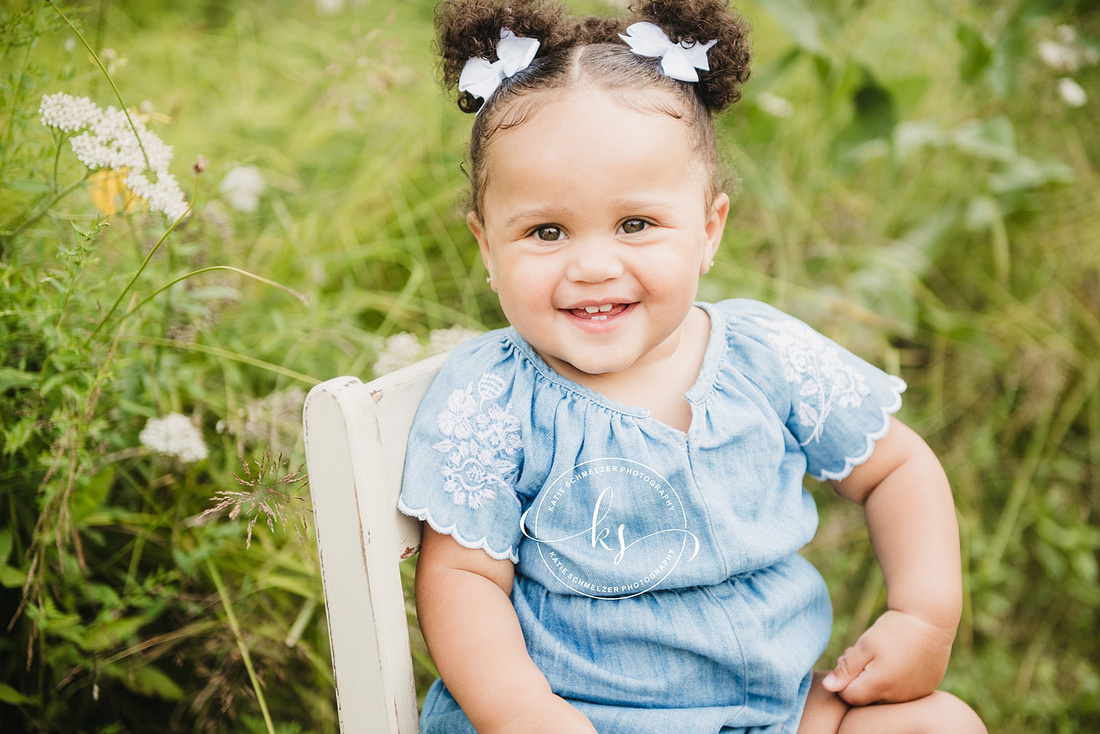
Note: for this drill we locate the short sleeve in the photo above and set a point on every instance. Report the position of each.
(840, 404)
(465, 452)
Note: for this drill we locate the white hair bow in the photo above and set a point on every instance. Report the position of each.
(677, 60)
(514, 54)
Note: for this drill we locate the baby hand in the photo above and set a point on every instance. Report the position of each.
(900, 658)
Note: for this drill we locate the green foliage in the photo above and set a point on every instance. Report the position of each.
(913, 183)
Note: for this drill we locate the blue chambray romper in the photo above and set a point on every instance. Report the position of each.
(658, 581)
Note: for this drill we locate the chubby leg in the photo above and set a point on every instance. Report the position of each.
(938, 713)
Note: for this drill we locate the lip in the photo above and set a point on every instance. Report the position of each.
(612, 320)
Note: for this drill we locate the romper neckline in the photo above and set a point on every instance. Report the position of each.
(695, 395)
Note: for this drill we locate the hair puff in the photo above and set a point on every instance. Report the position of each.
(471, 28)
(595, 29)
(702, 21)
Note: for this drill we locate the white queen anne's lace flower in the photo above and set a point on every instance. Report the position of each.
(106, 140)
(174, 435)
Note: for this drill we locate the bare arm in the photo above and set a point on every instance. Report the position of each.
(911, 520)
(466, 615)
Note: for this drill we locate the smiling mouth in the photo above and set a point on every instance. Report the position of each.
(598, 313)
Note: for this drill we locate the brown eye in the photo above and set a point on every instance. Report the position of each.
(549, 233)
(632, 226)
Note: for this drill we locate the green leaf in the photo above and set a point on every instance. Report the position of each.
(13, 378)
(977, 51)
(103, 636)
(11, 696)
(7, 539)
(146, 680)
(12, 578)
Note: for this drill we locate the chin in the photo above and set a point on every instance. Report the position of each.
(599, 366)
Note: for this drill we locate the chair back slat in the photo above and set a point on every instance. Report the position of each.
(355, 438)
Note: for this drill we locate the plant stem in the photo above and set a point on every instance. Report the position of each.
(99, 63)
(185, 276)
(230, 615)
(144, 263)
(158, 341)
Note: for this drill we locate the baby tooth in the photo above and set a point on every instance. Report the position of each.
(605, 307)
(592, 309)
(599, 318)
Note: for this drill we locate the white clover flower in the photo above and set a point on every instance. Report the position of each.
(174, 435)
(1072, 93)
(774, 105)
(107, 140)
(242, 187)
(329, 7)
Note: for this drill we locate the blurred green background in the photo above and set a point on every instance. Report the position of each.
(918, 179)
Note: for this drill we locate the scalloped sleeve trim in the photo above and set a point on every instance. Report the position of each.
(897, 387)
(425, 515)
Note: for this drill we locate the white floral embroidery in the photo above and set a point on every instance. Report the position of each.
(812, 361)
(480, 443)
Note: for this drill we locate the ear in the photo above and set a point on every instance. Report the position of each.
(715, 226)
(473, 221)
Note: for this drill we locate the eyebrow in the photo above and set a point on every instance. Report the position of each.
(554, 213)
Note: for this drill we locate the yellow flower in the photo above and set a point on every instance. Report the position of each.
(107, 187)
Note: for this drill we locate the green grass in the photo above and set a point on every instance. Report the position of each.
(931, 202)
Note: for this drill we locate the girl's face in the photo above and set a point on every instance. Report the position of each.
(595, 231)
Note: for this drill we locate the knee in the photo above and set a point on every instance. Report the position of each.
(944, 713)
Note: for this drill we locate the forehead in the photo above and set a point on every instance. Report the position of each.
(589, 136)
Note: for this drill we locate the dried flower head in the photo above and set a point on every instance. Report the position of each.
(174, 435)
(270, 491)
(107, 140)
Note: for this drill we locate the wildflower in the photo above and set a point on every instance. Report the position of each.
(242, 187)
(329, 7)
(444, 340)
(107, 140)
(401, 350)
(199, 165)
(1072, 93)
(174, 435)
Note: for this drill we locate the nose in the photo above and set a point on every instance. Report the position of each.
(593, 261)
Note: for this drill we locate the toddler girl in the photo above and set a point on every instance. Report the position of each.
(612, 487)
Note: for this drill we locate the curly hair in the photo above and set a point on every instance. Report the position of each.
(589, 51)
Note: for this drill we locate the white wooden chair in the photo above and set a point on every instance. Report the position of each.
(355, 438)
